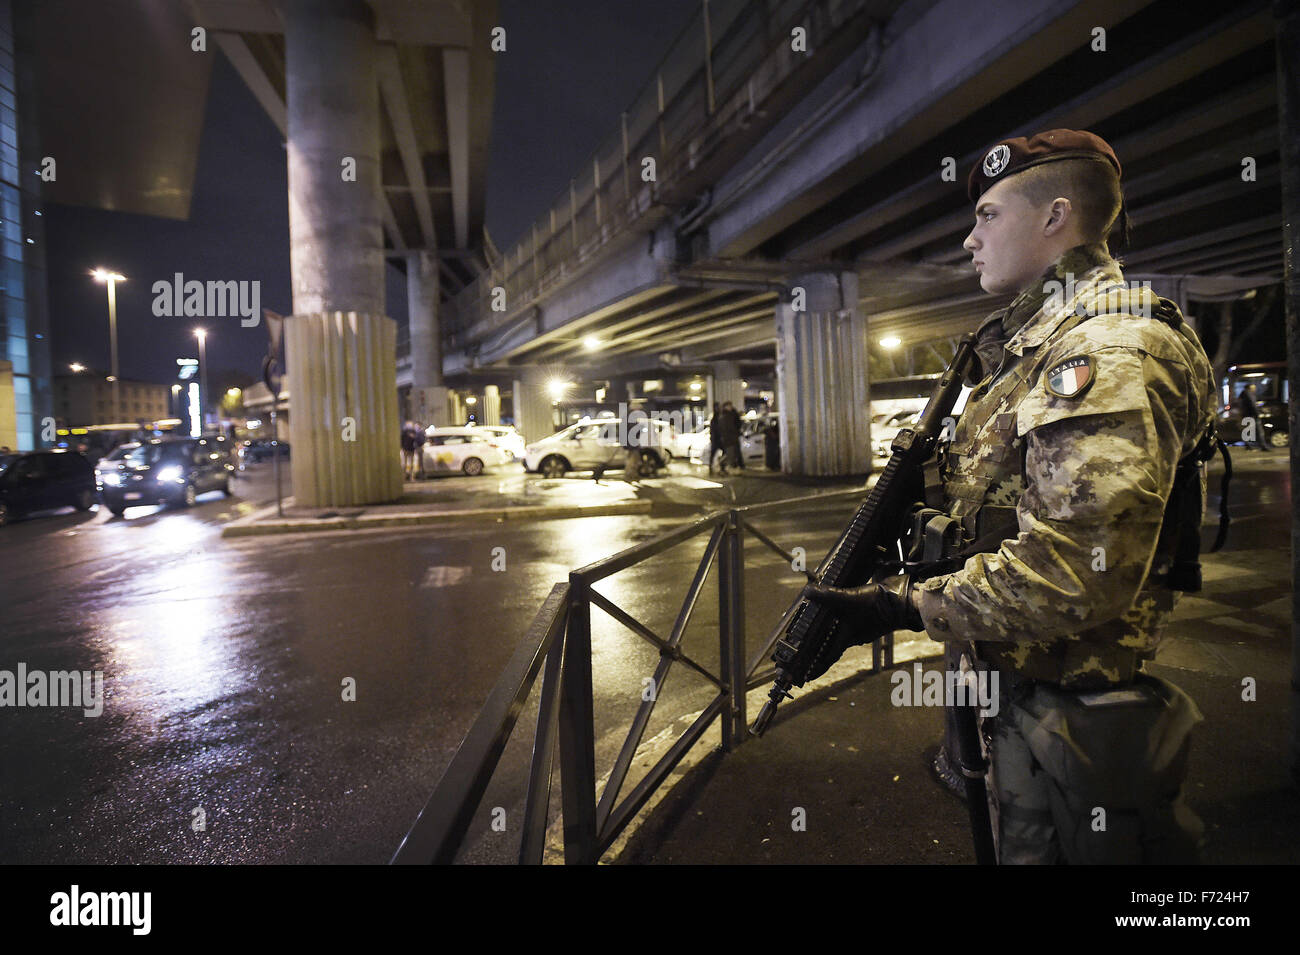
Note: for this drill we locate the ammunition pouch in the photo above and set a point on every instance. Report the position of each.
(940, 545)
(1123, 752)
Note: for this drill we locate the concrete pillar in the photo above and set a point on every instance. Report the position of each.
(344, 426)
(618, 391)
(335, 224)
(726, 385)
(430, 400)
(491, 405)
(532, 402)
(341, 349)
(821, 377)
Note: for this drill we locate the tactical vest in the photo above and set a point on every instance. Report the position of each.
(978, 479)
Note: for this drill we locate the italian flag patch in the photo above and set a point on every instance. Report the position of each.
(1070, 378)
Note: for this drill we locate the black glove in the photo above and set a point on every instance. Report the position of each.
(866, 613)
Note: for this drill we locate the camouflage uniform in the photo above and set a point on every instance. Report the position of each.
(1070, 602)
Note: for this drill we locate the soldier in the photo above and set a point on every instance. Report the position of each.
(1092, 407)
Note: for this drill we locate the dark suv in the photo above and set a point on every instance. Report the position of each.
(169, 471)
(42, 480)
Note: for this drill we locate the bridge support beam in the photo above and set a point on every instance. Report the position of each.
(341, 347)
(533, 417)
(725, 385)
(430, 401)
(491, 405)
(821, 377)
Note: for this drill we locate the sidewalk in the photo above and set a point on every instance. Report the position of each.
(682, 490)
(858, 766)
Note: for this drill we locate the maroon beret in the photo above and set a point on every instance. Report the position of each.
(1015, 155)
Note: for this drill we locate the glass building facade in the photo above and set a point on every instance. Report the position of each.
(24, 317)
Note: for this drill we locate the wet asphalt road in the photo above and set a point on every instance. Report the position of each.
(224, 664)
(225, 737)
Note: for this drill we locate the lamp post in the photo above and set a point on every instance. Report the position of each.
(112, 278)
(202, 336)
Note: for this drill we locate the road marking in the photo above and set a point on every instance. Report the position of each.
(683, 481)
(443, 576)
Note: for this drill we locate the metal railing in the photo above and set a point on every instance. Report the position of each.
(557, 646)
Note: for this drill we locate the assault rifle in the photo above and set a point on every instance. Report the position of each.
(891, 532)
(869, 547)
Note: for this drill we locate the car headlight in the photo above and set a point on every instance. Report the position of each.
(171, 473)
(112, 479)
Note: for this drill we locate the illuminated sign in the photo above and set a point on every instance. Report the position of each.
(196, 420)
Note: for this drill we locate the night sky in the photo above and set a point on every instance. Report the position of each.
(570, 68)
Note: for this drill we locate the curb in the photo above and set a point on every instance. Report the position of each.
(253, 526)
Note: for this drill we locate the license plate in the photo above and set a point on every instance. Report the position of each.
(132, 495)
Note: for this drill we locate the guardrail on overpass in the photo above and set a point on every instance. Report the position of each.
(716, 78)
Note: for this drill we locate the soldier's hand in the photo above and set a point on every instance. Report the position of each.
(871, 610)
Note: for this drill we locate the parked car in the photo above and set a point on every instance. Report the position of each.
(112, 462)
(753, 437)
(692, 445)
(1272, 396)
(170, 471)
(595, 445)
(468, 449)
(44, 480)
(505, 437)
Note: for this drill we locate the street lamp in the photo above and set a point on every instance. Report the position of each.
(112, 278)
(202, 336)
(177, 410)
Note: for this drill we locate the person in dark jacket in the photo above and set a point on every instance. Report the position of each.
(714, 447)
(408, 449)
(1247, 408)
(728, 435)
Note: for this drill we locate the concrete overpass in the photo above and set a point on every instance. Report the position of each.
(822, 167)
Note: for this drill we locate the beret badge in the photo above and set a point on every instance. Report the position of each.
(997, 159)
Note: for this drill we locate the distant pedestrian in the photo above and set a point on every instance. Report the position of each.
(728, 435)
(421, 439)
(714, 447)
(1248, 411)
(408, 449)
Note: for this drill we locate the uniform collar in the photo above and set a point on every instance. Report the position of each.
(1041, 308)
